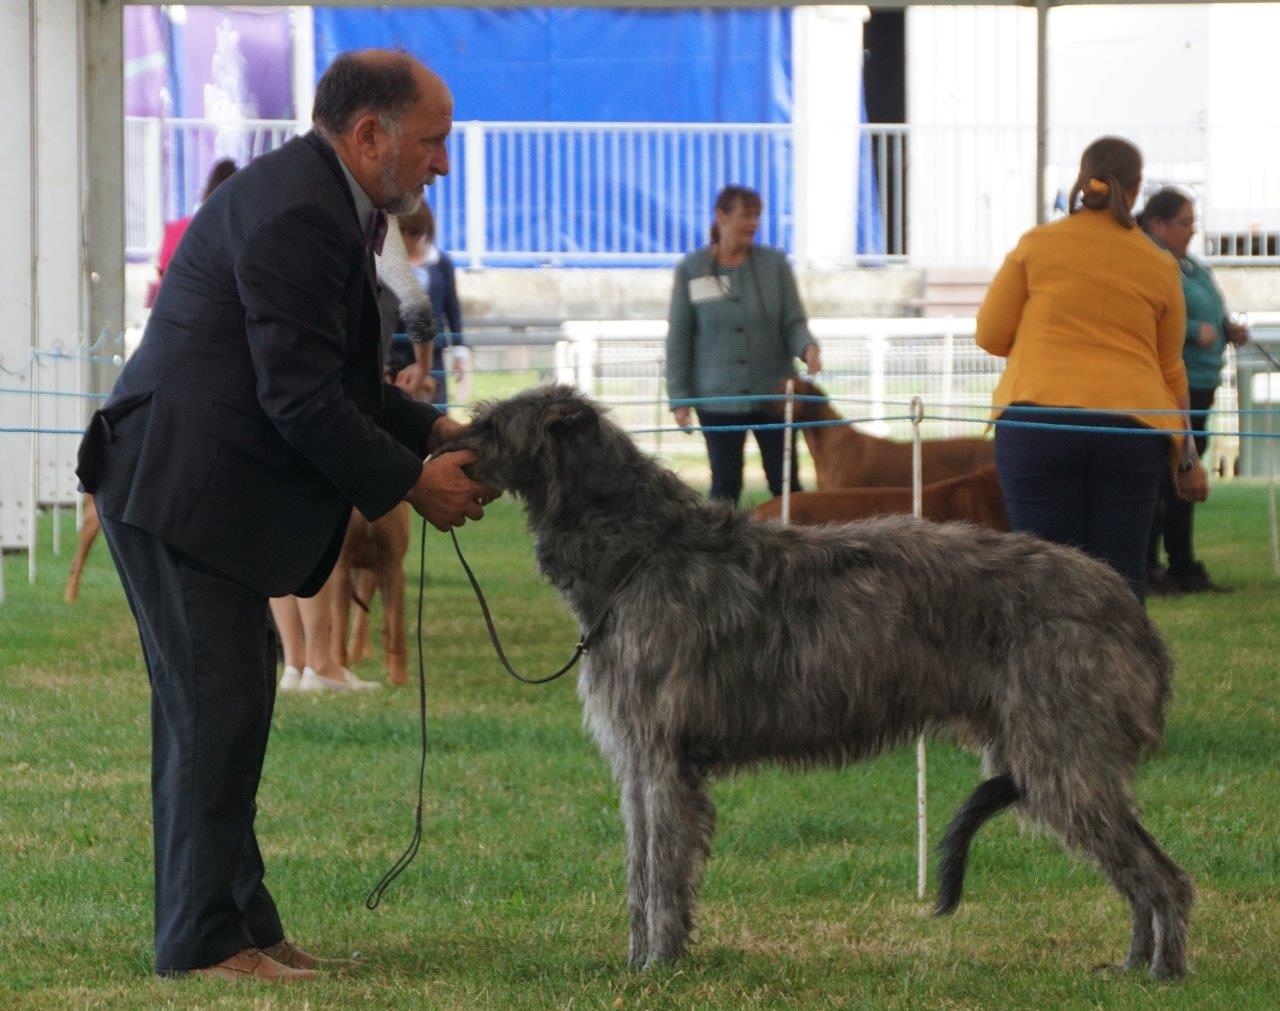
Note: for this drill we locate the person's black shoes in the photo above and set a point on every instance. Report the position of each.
(1195, 579)
(1160, 583)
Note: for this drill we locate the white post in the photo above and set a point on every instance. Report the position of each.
(789, 416)
(34, 477)
(80, 419)
(474, 178)
(1271, 479)
(917, 510)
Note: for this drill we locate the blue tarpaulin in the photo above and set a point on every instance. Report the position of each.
(564, 197)
(586, 64)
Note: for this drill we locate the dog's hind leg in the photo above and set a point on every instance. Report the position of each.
(1173, 894)
(394, 652)
(636, 820)
(1158, 890)
(681, 821)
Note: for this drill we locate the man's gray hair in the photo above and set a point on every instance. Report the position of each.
(356, 84)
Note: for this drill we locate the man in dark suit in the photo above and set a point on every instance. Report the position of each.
(225, 463)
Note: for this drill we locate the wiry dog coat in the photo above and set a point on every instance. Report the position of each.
(737, 642)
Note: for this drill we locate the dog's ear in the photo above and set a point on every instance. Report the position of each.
(568, 416)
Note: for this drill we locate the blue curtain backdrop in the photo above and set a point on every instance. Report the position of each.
(630, 194)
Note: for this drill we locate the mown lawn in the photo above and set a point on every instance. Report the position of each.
(516, 899)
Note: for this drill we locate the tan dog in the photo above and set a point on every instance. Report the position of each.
(89, 528)
(976, 497)
(372, 559)
(847, 458)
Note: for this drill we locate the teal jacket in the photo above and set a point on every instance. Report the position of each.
(1204, 305)
(736, 344)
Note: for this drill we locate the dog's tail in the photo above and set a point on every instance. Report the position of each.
(989, 799)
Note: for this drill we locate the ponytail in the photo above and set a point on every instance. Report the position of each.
(1110, 169)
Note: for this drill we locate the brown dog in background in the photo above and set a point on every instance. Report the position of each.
(977, 498)
(89, 528)
(372, 559)
(844, 457)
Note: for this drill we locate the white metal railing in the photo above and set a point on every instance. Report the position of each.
(641, 193)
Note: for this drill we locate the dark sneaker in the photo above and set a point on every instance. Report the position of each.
(1160, 583)
(1196, 580)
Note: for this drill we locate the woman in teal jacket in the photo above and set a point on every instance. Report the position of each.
(735, 328)
(1169, 217)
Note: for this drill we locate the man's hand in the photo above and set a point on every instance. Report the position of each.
(682, 416)
(1193, 485)
(445, 496)
(1206, 335)
(444, 430)
(1237, 334)
(812, 358)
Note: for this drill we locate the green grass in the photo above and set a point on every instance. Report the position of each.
(517, 898)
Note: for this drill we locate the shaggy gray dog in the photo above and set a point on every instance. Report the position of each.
(737, 642)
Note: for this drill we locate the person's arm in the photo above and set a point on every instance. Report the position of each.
(680, 328)
(1191, 480)
(292, 274)
(1001, 309)
(396, 272)
(794, 323)
(452, 307)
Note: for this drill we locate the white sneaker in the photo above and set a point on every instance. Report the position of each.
(358, 684)
(290, 680)
(313, 682)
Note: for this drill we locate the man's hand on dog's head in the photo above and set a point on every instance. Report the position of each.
(445, 496)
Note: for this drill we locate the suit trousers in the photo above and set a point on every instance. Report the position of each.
(204, 637)
(1096, 491)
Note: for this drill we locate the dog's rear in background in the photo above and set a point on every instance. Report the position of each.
(976, 498)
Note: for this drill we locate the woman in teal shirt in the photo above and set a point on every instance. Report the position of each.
(1169, 217)
(735, 328)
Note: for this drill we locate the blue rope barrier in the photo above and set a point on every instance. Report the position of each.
(52, 393)
(42, 431)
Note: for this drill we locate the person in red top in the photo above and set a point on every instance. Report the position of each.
(173, 230)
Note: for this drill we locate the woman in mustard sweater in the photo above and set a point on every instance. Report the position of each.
(1090, 315)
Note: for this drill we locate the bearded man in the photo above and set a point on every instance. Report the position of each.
(227, 459)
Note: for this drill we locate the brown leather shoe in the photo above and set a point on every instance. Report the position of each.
(252, 964)
(287, 953)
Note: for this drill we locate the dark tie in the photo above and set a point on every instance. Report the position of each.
(377, 232)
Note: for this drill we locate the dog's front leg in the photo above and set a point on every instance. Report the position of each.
(681, 820)
(635, 818)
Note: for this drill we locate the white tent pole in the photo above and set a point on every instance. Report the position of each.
(1042, 106)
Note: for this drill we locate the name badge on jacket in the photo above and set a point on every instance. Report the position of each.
(704, 289)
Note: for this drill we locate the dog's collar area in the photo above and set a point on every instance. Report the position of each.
(583, 644)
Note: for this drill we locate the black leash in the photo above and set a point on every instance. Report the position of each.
(375, 896)
(583, 643)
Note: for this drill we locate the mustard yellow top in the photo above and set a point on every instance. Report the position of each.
(1089, 314)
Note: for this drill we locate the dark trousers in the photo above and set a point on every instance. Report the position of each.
(204, 637)
(1092, 490)
(1175, 518)
(725, 449)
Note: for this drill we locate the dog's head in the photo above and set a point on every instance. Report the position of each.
(519, 442)
(805, 409)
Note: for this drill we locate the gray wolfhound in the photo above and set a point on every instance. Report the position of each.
(731, 642)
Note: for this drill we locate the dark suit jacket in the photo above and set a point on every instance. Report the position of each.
(253, 414)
